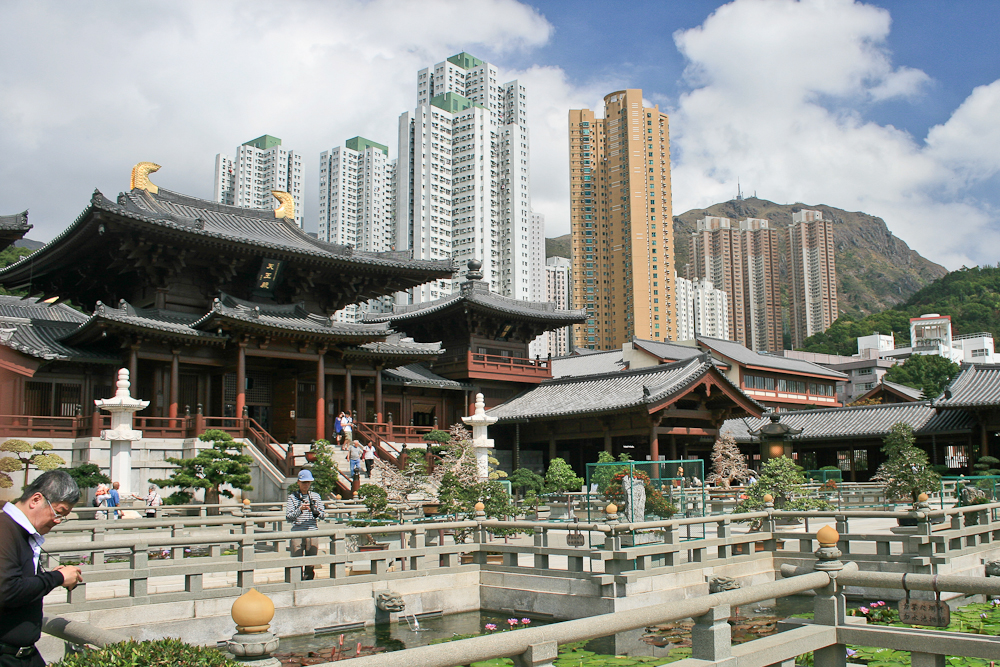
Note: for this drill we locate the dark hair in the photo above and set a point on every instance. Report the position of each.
(57, 487)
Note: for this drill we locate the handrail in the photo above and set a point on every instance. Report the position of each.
(276, 452)
(80, 633)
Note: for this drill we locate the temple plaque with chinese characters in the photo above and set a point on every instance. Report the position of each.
(268, 276)
(575, 540)
(924, 612)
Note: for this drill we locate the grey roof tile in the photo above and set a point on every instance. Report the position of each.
(42, 339)
(977, 385)
(15, 307)
(588, 364)
(18, 222)
(866, 421)
(151, 319)
(915, 394)
(290, 317)
(420, 376)
(747, 357)
(609, 392)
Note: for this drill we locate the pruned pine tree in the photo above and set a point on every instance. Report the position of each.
(728, 463)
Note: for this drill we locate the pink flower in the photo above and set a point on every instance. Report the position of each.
(525, 621)
(491, 626)
(511, 622)
(863, 610)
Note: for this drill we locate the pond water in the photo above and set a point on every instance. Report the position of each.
(752, 620)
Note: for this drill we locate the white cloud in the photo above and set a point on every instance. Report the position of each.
(90, 89)
(776, 85)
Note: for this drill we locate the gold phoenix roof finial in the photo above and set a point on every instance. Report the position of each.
(140, 177)
(287, 205)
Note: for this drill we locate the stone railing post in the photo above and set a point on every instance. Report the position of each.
(828, 607)
(139, 563)
(538, 655)
(711, 637)
(541, 540)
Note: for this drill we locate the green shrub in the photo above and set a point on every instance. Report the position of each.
(157, 653)
(438, 436)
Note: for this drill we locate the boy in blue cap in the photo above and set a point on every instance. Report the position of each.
(302, 509)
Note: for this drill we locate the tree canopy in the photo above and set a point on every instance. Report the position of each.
(927, 372)
(970, 296)
(905, 474)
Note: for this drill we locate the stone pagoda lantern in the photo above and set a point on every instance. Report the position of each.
(122, 407)
(479, 422)
(774, 438)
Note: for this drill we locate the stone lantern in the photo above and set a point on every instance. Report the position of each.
(122, 407)
(479, 422)
(774, 438)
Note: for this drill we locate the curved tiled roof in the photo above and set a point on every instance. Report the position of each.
(289, 317)
(15, 307)
(977, 386)
(42, 339)
(18, 222)
(477, 294)
(747, 357)
(126, 316)
(591, 363)
(609, 392)
(866, 421)
(418, 375)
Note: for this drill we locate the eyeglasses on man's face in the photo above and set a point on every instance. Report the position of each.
(56, 517)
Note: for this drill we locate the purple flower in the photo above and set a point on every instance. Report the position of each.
(863, 610)
(491, 626)
(851, 653)
(525, 621)
(983, 616)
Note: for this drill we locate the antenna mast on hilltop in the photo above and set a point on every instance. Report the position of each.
(739, 191)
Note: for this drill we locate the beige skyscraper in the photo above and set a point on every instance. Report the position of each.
(621, 222)
(741, 259)
(813, 275)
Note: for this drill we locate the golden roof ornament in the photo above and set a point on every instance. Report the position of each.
(287, 207)
(140, 177)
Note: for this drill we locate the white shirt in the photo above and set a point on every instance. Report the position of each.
(36, 538)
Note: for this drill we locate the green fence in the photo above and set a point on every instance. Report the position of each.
(983, 486)
(673, 488)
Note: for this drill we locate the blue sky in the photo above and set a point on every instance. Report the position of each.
(885, 107)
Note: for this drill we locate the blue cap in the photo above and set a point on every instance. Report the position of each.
(305, 476)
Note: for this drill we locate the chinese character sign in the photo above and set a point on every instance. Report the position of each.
(268, 277)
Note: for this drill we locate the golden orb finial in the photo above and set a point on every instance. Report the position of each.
(253, 612)
(768, 498)
(246, 501)
(828, 536)
(140, 177)
(611, 509)
(922, 498)
(480, 507)
(286, 209)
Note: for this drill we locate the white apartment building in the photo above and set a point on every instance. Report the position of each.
(537, 258)
(260, 165)
(557, 288)
(355, 205)
(701, 309)
(462, 181)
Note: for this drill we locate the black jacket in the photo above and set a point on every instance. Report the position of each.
(21, 588)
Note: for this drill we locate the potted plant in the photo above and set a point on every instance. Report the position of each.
(781, 479)
(376, 500)
(539, 511)
(906, 473)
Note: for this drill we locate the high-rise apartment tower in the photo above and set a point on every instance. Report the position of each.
(260, 165)
(812, 272)
(741, 258)
(355, 206)
(462, 181)
(701, 309)
(621, 222)
(555, 342)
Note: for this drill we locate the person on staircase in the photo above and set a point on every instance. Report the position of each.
(369, 458)
(347, 423)
(338, 428)
(354, 454)
(302, 509)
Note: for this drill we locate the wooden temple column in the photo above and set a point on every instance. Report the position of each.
(175, 381)
(321, 394)
(133, 364)
(654, 444)
(241, 377)
(984, 444)
(378, 394)
(347, 389)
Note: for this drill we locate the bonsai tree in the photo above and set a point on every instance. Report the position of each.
(437, 436)
(987, 466)
(728, 463)
(324, 470)
(88, 475)
(523, 481)
(376, 500)
(222, 464)
(602, 474)
(560, 477)
(656, 504)
(461, 486)
(905, 474)
(23, 458)
(783, 480)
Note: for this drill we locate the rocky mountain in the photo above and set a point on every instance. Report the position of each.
(559, 246)
(875, 269)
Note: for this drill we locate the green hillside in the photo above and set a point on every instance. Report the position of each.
(970, 296)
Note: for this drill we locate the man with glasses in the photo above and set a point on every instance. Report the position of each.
(23, 583)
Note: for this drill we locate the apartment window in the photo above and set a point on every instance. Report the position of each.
(758, 382)
(793, 386)
(979, 353)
